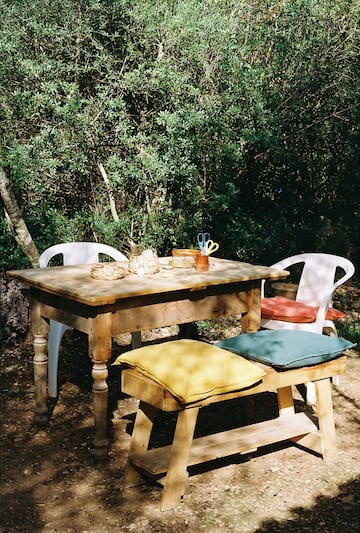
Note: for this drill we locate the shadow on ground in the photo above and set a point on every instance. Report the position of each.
(49, 480)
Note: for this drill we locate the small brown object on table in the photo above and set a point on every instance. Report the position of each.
(104, 309)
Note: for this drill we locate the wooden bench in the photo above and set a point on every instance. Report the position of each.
(168, 464)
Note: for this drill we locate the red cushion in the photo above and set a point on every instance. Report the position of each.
(280, 308)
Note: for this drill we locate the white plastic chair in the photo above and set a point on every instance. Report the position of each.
(74, 253)
(316, 287)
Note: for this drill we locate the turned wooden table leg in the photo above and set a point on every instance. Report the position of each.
(40, 379)
(100, 353)
(39, 329)
(100, 405)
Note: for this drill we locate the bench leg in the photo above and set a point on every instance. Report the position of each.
(175, 480)
(285, 401)
(322, 441)
(310, 393)
(139, 442)
(325, 415)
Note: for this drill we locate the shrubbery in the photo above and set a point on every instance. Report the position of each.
(14, 311)
(240, 118)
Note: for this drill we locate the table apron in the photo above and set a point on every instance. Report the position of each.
(178, 312)
(80, 323)
(148, 312)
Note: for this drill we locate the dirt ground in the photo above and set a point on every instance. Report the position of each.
(50, 482)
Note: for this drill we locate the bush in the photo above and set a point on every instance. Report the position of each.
(14, 311)
(238, 118)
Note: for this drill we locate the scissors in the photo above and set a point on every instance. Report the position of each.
(211, 247)
(202, 239)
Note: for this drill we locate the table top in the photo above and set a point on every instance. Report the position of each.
(76, 283)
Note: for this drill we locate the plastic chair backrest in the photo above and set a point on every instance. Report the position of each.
(76, 253)
(317, 282)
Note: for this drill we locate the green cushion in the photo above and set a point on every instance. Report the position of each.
(286, 348)
(192, 370)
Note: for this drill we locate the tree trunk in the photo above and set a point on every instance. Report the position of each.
(16, 222)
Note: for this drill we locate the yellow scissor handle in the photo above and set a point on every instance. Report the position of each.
(211, 247)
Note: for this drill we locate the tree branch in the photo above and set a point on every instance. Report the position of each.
(110, 194)
(16, 222)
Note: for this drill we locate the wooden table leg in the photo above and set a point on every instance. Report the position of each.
(250, 321)
(100, 353)
(40, 379)
(39, 328)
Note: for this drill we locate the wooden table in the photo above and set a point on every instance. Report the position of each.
(103, 309)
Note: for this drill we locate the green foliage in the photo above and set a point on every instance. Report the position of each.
(235, 117)
(14, 310)
(349, 302)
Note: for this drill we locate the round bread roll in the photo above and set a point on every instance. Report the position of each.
(107, 271)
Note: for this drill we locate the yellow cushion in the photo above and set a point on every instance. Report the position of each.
(192, 370)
